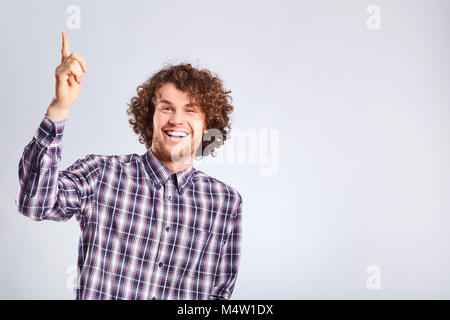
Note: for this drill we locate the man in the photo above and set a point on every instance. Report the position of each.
(152, 226)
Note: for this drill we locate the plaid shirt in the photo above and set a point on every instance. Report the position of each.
(146, 233)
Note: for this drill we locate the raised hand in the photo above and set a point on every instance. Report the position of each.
(69, 77)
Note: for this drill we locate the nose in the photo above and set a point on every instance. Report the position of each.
(176, 118)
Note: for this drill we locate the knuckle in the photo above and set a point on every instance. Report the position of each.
(76, 72)
(73, 64)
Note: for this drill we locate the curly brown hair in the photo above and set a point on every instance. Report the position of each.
(202, 88)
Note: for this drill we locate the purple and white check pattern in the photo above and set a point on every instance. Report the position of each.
(146, 233)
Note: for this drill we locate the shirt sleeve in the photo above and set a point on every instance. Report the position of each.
(44, 192)
(229, 260)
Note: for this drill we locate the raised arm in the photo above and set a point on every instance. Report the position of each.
(44, 192)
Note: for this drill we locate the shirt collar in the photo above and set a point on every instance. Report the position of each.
(159, 173)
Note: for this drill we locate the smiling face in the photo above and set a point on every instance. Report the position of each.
(178, 127)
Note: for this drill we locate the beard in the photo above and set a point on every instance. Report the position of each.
(179, 153)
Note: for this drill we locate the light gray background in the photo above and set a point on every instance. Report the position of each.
(363, 120)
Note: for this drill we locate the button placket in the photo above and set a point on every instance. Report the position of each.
(160, 232)
(167, 194)
(171, 187)
(169, 197)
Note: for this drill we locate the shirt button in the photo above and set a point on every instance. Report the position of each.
(153, 298)
(160, 264)
(167, 229)
(169, 197)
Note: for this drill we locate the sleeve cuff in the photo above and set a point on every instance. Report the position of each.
(223, 297)
(50, 132)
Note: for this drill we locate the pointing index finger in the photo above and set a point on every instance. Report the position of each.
(65, 47)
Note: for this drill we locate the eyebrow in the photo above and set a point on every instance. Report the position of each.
(170, 103)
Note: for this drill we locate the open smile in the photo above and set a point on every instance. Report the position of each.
(176, 136)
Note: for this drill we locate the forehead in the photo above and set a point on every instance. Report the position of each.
(169, 92)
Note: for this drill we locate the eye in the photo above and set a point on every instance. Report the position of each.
(191, 110)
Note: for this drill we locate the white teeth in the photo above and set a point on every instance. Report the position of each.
(177, 133)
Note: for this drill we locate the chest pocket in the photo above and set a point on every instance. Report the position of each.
(190, 249)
